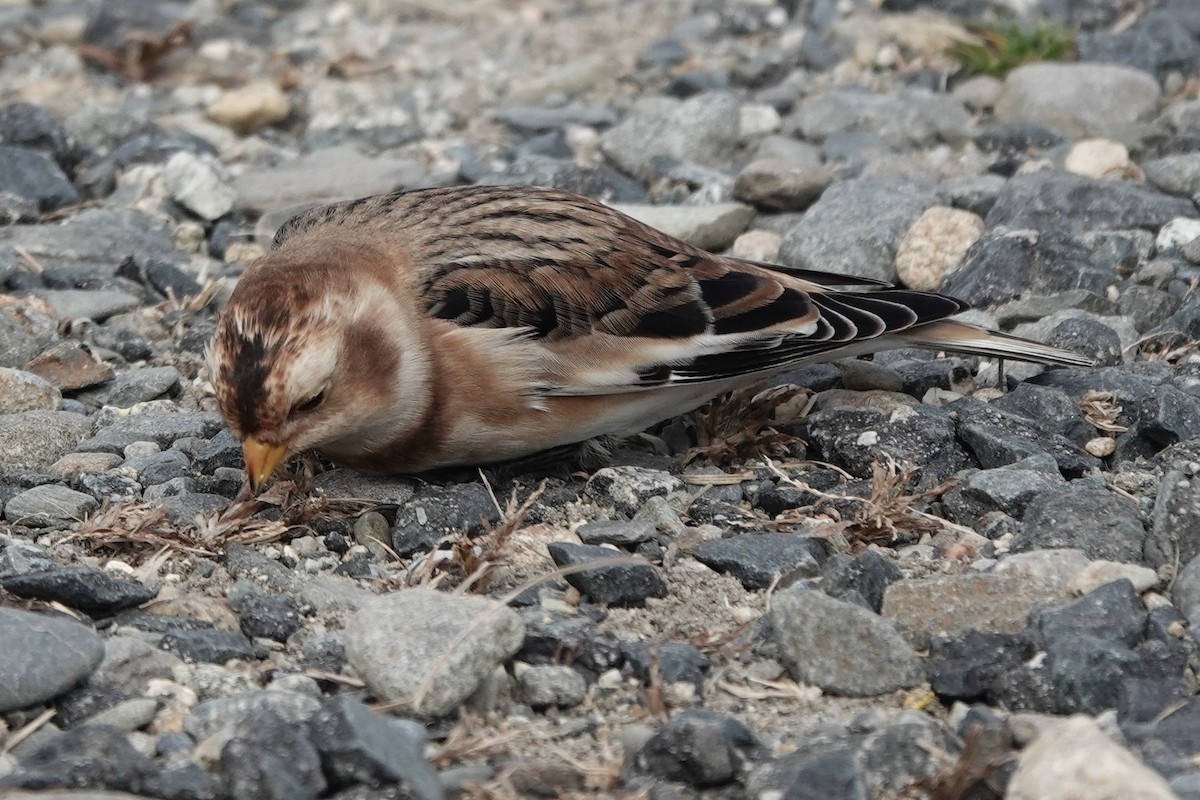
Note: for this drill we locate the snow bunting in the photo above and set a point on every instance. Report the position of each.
(475, 324)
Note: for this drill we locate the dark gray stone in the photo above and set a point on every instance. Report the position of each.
(618, 532)
(758, 559)
(1101, 524)
(135, 387)
(1112, 611)
(1059, 201)
(271, 758)
(618, 585)
(699, 747)
(435, 512)
(919, 435)
(864, 576)
(87, 757)
(360, 746)
(44, 655)
(270, 616)
(972, 664)
(856, 226)
(35, 177)
(88, 589)
(997, 439)
(209, 646)
(666, 662)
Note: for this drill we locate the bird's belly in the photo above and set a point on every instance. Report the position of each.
(566, 420)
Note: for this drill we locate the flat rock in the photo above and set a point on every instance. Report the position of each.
(49, 505)
(397, 641)
(841, 647)
(710, 227)
(948, 604)
(614, 584)
(758, 559)
(88, 589)
(1081, 100)
(43, 656)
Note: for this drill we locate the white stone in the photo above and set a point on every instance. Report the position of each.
(1177, 233)
(1099, 158)
(199, 184)
(1074, 759)
(935, 245)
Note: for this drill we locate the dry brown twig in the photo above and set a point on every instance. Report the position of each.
(141, 55)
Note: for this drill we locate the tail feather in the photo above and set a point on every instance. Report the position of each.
(962, 337)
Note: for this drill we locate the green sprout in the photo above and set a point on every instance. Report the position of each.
(1004, 47)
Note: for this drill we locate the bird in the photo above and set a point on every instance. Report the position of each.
(467, 325)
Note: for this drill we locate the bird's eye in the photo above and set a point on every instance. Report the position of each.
(307, 405)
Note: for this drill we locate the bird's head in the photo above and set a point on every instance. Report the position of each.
(310, 352)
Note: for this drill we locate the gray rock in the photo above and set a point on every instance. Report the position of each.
(49, 505)
(778, 184)
(33, 176)
(702, 129)
(44, 656)
(841, 647)
(361, 746)
(398, 642)
(200, 184)
(1005, 489)
(269, 756)
(326, 175)
(24, 331)
(1161, 42)
(162, 427)
(93, 304)
(551, 685)
(536, 119)
(613, 584)
(1081, 100)
(710, 227)
(211, 716)
(904, 118)
(158, 467)
(856, 226)
(85, 588)
(625, 489)
(134, 387)
(130, 664)
(758, 559)
(1090, 518)
(99, 237)
(618, 532)
(1175, 521)
(345, 483)
(950, 604)
(184, 507)
(1051, 201)
(24, 391)
(699, 747)
(1178, 175)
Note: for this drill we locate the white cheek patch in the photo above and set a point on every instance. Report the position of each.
(310, 368)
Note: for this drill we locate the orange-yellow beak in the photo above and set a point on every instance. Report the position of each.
(261, 460)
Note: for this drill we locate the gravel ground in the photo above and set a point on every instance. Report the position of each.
(906, 577)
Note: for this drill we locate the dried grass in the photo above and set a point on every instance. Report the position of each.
(741, 425)
(888, 515)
